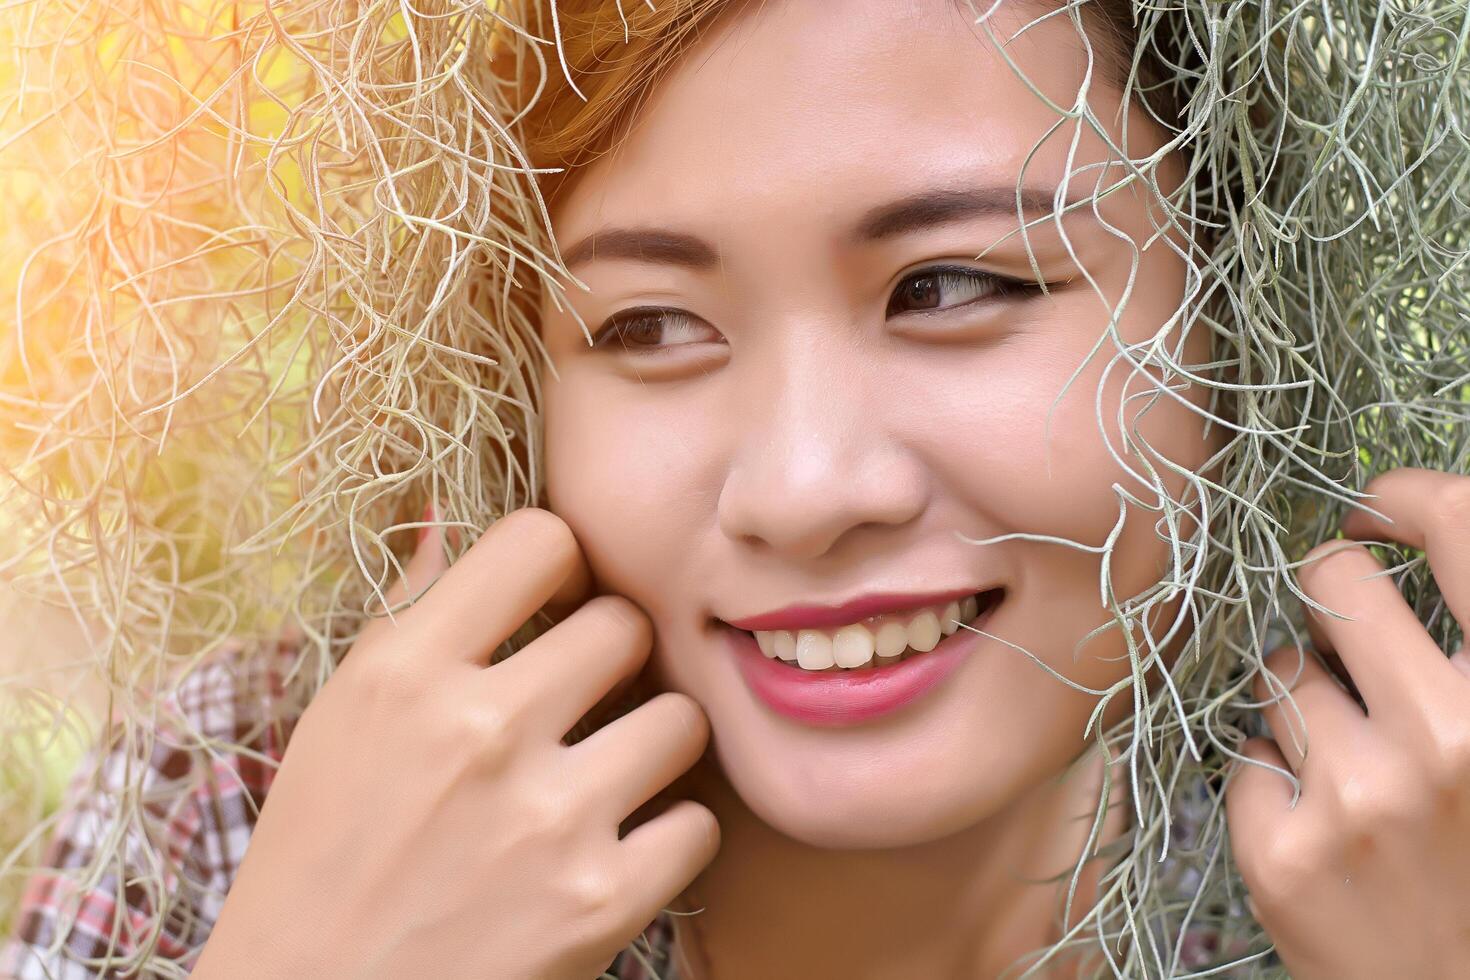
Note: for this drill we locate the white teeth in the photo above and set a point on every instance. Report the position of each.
(924, 632)
(852, 646)
(891, 640)
(814, 650)
(947, 624)
(784, 644)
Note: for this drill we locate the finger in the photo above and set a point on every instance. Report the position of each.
(1429, 510)
(641, 753)
(1305, 707)
(598, 715)
(1327, 657)
(561, 675)
(1322, 643)
(1258, 801)
(628, 693)
(663, 855)
(516, 566)
(1322, 646)
(1394, 662)
(575, 590)
(423, 568)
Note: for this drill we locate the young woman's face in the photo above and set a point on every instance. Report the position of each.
(838, 391)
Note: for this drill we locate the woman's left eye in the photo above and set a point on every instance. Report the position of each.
(921, 291)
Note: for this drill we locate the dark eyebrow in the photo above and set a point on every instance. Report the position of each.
(917, 211)
(942, 205)
(643, 245)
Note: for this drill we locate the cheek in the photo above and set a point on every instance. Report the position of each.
(625, 484)
(1021, 459)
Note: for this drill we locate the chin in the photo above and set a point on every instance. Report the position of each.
(887, 824)
(872, 808)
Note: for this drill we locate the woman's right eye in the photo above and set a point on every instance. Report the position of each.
(642, 330)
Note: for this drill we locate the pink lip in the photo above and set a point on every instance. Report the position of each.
(850, 697)
(818, 617)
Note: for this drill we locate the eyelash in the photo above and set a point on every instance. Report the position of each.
(994, 285)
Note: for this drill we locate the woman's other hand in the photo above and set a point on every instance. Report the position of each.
(429, 820)
(1369, 875)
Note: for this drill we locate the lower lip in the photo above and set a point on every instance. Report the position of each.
(850, 697)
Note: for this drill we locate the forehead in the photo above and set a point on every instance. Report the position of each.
(824, 103)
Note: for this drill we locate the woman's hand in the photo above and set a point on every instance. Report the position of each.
(1369, 875)
(429, 820)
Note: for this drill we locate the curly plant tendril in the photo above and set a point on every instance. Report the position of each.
(272, 289)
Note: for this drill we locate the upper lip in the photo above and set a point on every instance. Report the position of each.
(862, 607)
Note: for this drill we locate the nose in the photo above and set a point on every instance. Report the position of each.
(815, 457)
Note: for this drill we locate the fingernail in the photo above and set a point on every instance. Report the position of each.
(428, 516)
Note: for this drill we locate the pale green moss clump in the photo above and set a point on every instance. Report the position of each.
(274, 292)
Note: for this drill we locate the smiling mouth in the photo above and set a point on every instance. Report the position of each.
(877, 641)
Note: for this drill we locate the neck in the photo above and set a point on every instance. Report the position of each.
(966, 906)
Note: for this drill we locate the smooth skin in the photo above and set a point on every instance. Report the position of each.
(427, 815)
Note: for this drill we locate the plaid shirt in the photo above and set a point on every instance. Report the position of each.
(198, 810)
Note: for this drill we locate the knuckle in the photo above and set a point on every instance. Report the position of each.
(559, 809)
(622, 611)
(553, 535)
(1371, 803)
(484, 731)
(1448, 763)
(557, 818)
(688, 712)
(1451, 505)
(711, 825)
(1337, 554)
(1452, 755)
(1314, 562)
(592, 894)
(1285, 664)
(1286, 867)
(1333, 560)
